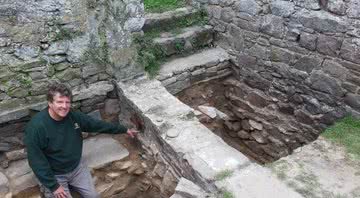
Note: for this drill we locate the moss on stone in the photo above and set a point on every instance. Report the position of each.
(28, 65)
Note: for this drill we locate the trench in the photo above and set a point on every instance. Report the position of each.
(212, 94)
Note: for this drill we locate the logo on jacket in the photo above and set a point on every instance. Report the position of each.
(76, 126)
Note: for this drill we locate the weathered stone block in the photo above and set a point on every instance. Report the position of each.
(308, 41)
(37, 75)
(282, 8)
(242, 104)
(27, 52)
(303, 117)
(248, 6)
(313, 106)
(16, 155)
(243, 134)
(214, 12)
(93, 101)
(308, 63)
(309, 4)
(286, 108)
(281, 55)
(329, 45)
(227, 15)
(39, 87)
(349, 87)
(58, 48)
(323, 83)
(354, 10)
(334, 69)
(256, 81)
(259, 52)
(236, 38)
(321, 21)
(350, 50)
(97, 89)
(331, 117)
(4, 185)
(353, 101)
(68, 74)
(187, 188)
(91, 70)
(273, 26)
(251, 25)
(337, 7)
(257, 100)
(258, 137)
(353, 78)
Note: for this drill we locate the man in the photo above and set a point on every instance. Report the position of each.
(54, 145)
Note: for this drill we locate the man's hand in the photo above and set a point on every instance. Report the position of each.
(60, 193)
(132, 132)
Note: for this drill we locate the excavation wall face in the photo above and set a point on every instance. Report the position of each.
(297, 66)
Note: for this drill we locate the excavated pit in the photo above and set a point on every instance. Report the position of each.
(234, 129)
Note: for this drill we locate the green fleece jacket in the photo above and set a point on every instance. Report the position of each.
(55, 147)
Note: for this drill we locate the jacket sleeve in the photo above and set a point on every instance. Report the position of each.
(37, 160)
(91, 125)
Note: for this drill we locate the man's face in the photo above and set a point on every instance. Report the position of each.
(59, 107)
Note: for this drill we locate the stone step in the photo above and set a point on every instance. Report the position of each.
(209, 57)
(188, 40)
(180, 73)
(161, 20)
(98, 151)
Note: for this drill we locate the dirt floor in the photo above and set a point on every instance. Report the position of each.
(212, 93)
(135, 181)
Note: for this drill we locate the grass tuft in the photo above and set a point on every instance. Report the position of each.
(227, 194)
(346, 132)
(223, 174)
(163, 5)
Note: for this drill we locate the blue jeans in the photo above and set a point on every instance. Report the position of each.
(79, 180)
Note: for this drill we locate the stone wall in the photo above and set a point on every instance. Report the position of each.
(297, 65)
(180, 80)
(82, 43)
(72, 41)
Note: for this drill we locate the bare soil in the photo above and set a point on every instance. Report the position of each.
(212, 93)
(132, 182)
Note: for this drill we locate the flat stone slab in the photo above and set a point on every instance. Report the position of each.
(100, 88)
(255, 181)
(154, 20)
(211, 57)
(4, 184)
(101, 150)
(19, 111)
(321, 169)
(187, 188)
(20, 176)
(186, 33)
